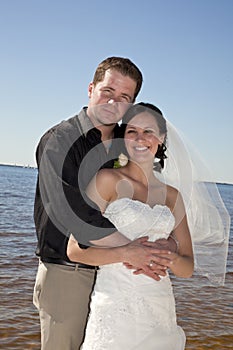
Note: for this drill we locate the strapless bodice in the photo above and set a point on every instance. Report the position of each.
(135, 219)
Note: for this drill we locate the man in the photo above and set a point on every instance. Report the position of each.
(62, 289)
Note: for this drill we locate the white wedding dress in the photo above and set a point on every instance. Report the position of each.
(132, 312)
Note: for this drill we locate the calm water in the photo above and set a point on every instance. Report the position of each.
(205, 313)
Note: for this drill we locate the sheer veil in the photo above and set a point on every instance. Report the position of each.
(208, 219)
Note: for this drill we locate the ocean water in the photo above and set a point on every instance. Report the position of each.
(205, 313)
(17, 188)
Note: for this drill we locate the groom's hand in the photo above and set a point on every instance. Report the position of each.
(155, 271)
(163, 244)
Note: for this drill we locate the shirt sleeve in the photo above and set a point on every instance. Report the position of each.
(66, 204)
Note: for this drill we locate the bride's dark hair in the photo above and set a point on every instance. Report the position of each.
(155, 112)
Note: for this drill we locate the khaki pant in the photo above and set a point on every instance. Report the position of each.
(62, 296)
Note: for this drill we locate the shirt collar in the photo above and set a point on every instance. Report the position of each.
(85, 121)
(87, 124)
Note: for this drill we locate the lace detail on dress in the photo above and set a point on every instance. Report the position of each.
(134, 218)
(131, 314)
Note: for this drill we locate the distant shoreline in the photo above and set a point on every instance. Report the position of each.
(19, 166)
(34, 167)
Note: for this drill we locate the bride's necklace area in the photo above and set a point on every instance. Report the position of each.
(146, 187)
(139, 173)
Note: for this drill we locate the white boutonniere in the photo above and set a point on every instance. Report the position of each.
(121, 161)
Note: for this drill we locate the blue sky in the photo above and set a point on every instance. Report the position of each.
(50, 49)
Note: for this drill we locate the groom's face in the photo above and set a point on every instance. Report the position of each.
(115, 93)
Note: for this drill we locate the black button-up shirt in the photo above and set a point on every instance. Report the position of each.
(68, 156)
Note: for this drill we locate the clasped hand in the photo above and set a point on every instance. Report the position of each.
(152, 258)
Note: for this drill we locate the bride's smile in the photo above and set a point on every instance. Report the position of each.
(142, 137)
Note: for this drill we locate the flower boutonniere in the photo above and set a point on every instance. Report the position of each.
(121, 161)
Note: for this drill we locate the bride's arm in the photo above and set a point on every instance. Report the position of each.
(181, 263)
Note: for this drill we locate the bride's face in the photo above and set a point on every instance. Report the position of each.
(142, 137)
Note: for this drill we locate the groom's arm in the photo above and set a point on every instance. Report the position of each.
(137, 255)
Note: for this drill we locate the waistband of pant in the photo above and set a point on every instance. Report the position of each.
(68, 263)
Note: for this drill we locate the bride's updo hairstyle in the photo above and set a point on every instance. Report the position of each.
(161, 122)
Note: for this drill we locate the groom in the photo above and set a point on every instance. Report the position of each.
(63, 288)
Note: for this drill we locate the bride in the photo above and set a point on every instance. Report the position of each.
(128, 309)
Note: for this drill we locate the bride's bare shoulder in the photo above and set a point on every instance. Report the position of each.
(174, 197)
(172, 191)
(108, 175)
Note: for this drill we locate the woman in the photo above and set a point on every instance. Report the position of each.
(128, 311)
